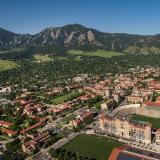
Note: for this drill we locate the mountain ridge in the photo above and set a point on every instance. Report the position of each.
(76, 36)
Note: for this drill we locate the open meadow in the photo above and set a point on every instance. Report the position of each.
(98, 53)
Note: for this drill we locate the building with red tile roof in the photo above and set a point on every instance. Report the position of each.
(122, 127)
(60, 108)
(77, 122)
(24, 131)
(42, 137)
(131, 153)
(29, 146)
(84, 118)
(5, 124)
(36, 142)
(9, 132)
(152, 105)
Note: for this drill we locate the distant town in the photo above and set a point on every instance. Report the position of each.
(123, 109)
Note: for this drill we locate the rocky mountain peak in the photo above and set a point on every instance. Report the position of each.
(90, 36)
(76, 36)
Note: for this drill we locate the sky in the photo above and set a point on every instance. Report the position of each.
(116, 16)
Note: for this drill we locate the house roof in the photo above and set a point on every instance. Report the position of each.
(5, 123)
(86, 114)
(8, 131)
(29, 143)
(152, 104)
(77, 121)
(42, 136)
(31, 127)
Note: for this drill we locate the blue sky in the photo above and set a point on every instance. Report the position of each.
(127, 16)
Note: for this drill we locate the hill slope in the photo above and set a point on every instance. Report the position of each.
(80, 38)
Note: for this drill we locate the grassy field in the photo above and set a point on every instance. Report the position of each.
(6, 64)
(12, 50)
(45, 58)
(155, 121)
(92, 146)
(63, 98)
(60, 58)
(42, 58)
(98, 53)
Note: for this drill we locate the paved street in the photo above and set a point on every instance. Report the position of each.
(63, 141)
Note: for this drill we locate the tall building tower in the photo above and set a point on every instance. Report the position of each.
(108, 92)
(116, 97)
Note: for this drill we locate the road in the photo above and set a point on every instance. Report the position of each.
(59, 120)
(63, 141)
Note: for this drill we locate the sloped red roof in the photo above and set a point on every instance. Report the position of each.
(78, 121)
(31, 127)
(29, 143)
(86, 114)
(152, 104)
(5, 123)
(8, 131)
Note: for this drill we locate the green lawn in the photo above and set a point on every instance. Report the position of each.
(155, 121)
(6, 64)
(98, 53)
(92, 146)
(63, 98)
(42, 58)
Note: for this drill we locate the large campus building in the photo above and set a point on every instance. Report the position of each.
(125, 128)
